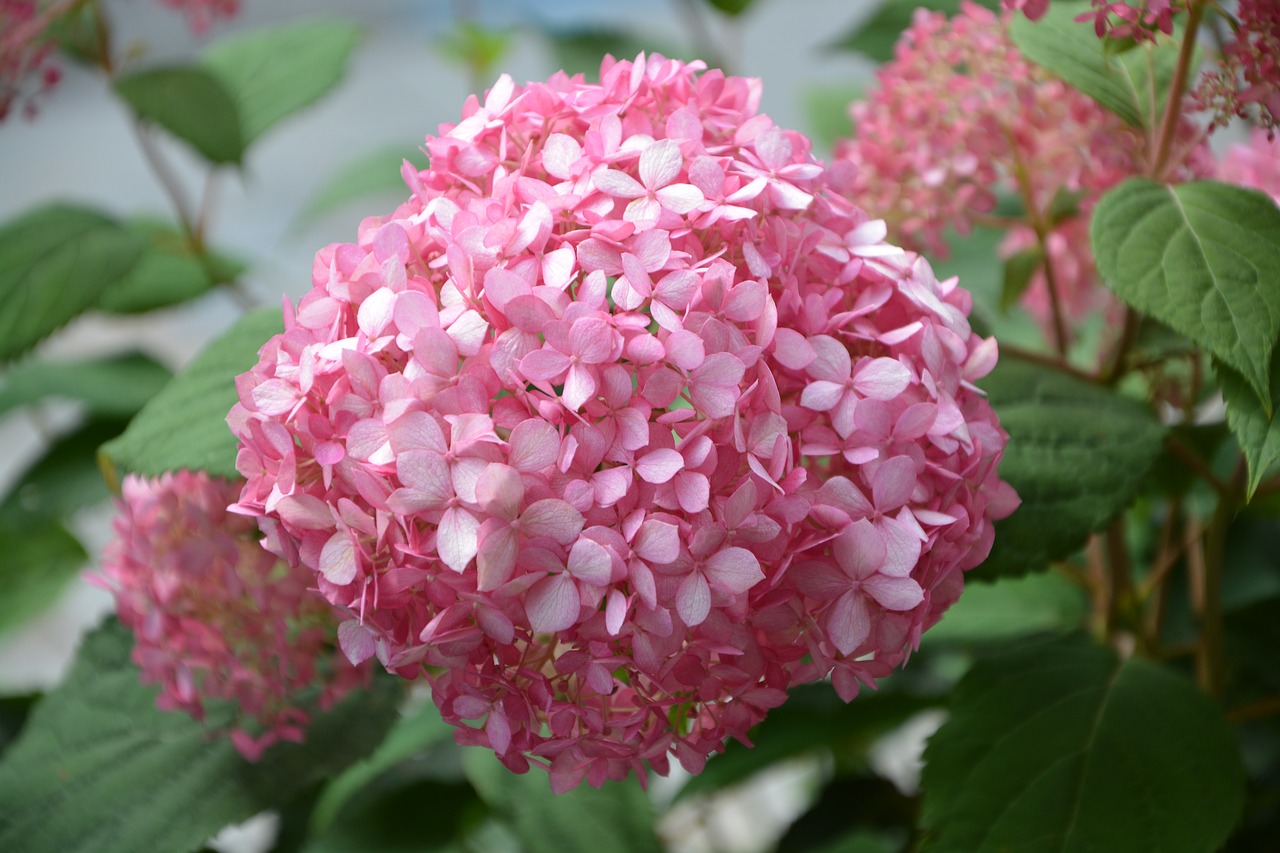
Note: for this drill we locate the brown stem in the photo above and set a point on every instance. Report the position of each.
(1187, 456)
(1057, 362)
(1128, 335)
(1119, 594)
(168, 181)
(1177, 89)
(1258, 710)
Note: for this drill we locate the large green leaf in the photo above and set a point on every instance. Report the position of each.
(38, 561)
(273, 72)
(114, 386)
(1123, 82)
(184, 426)
(1011, 607)
(65, 479)
(1201, 257)
(99, 768)
(876, 36)
(169, 272)
(1077, 455)
(1257, 430)
(1063, 747)
(853, 813)
(190, 103)
(55, 262)
(616, 817)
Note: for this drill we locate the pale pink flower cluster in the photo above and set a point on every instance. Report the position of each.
(1254, 163)
(202, 14)
(216, 618)
(960, 115)
(623, 425)
(1248, 83)
(26, 72)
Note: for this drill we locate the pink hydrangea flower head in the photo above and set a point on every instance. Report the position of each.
(1247, 84)
(26, 72)
(216, 618)
(202, 14)
(623, 424)
(1254, 163)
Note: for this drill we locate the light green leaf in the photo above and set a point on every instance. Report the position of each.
(1201, 257)
(190, 103)
(1257, 431)
(273, 72)
(1062, 747)
(168, 273)
(1124, 82)
(876, 36)
(185, 426)
(826, 110)
(55, 262)
(615, 817)
(410, 736)
(1019, 269)
(39, 561)
(98, 768)
(116, 386)
(377, 172)
(732, 8)
(1077, 455)
(1009, 608)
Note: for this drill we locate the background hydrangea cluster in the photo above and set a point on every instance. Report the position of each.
(624, 424)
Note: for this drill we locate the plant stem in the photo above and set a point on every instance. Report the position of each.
(1259, 710)
(1057, 362)
(1119, 592)
(1177, 89)
(1211, 654)
(1129, 334)
(1192, 460)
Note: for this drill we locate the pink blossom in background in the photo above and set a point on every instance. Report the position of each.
(216, 618)
(1248, 83)
(201, 14)
(624, 424)
(1254, 163)
(26, 70)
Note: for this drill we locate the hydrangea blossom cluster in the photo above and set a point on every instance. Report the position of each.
(623, 424)
(25, 50)
(202, 14)
(960, 114)
(1254, 163)
(216, 618)
(1248, 83)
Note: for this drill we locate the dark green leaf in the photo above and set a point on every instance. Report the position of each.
(1019, 268)
(190, 103)
(38, 562)
(1065, 205)
(410, 736)
(273, 72)
(616, 817)
(375, 173)
(14, 711)
(99, 768)
(732, 8)
(848, 804)
(168, 273)
(115, 386)
(1063, 747)
(1121, 82)
(876, 36)
(813, 719)
(1077, 455)
(65, 479)
(1009, 608)
(1257, 432)
(1199, 257)
(439, 811)
(184, 426)
(55, 262)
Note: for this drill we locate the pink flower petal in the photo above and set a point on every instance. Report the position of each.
(881, 378)
(734, 570)
(553, 518)
(821, 396)
(831, 360)
(495, 556)
(894, 593)
(657, 542)
(848, 623)
(543, 365)
(659, 466)
(535, 445)
(680, 198)
(590, 562)
(860, 549)
(457, 538)
(693, 491)
(693, 599)
(660, 163)
(893, 483)
(338, 559)
(618, 184)
(356, 642)
(552, 604)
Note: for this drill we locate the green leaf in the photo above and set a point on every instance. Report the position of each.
(190, 103)
(1200, 257)
(863, 803)
(876, 36)
(39, 561)
(826, 110)
(813, 719)
(374, 173)
(185, 425)
(1019, 268)
(1010, 608)
(1077, 456)
(117, 386)
(99, 768)
(615, 817)
(440, 811)
(732, 8)
(65, 479)
(1063, 747)
(14, 711)
(410, 736)
(1121, 82)
(169, 272)
(1257, 430)
(55, 262)
(274, 72)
